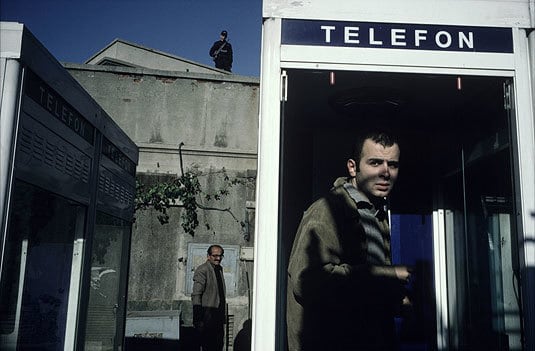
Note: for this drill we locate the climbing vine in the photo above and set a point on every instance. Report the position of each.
(186, 191)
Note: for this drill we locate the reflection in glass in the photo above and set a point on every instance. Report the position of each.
(36, 272)
(485, 314)
(412, 245)
(104, 298)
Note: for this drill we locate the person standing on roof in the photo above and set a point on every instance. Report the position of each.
(221, 52)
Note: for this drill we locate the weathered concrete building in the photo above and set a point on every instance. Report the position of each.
(161, 101)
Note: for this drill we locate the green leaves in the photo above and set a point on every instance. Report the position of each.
(184, 191)
(180, 191)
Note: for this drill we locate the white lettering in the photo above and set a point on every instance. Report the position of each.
(57, 106)
(49, 102)
(377, 37)
(445, 35)
(464, 40)
(372, 38)
(328, 30)
(81, 129)
(419, 36)
(64, 112)
(42, 98)
(351, 32)
(398, 37)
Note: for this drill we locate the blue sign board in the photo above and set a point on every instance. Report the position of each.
(397, 36)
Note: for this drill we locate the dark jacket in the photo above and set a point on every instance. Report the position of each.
(223, 59)
(335, 299)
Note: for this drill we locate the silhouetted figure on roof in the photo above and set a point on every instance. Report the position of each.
(221, 52)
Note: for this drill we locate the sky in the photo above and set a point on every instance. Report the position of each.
(74, 30)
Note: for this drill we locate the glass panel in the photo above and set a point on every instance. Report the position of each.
(105, 295)
(412, 245)
(437, 121)
(36, 276)
(487, 306)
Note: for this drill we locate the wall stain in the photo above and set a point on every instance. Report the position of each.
(155, 137)
(221, 140)
(166, 79)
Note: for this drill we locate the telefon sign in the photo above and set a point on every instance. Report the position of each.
(397, 36)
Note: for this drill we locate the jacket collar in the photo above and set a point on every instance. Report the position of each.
(354, 198)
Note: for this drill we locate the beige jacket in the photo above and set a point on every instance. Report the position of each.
(332, 293)
(205, 291)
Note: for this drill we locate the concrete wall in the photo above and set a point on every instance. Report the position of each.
(216, 117)
(136, 55)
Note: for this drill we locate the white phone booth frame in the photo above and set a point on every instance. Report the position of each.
(276, 57)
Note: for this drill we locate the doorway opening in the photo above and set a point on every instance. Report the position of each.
(456, 157)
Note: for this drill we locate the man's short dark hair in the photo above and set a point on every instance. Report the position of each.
(209, 251)
(378, 136)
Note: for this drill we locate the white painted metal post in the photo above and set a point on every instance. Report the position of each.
(266, 245)
(441, 288)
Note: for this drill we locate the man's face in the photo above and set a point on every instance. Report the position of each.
(215, 256)
(377, 170)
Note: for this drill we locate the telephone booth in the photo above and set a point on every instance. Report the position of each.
(454, 80)
(67, 185)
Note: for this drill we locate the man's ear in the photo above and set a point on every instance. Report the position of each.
(352, 167)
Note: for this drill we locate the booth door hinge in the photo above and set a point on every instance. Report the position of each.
(284, 86)
(507, 96)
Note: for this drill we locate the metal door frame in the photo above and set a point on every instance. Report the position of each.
(515, 66)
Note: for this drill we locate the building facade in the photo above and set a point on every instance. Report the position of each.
(183, 120)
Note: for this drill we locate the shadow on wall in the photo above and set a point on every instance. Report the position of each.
(144, 344)
(242, 342)
(188, 341)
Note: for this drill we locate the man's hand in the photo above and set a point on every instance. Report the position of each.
(403, 273)
(406, 307)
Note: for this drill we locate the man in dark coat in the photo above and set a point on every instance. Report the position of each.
(343, 291)
(208, 299)
(221, 52)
